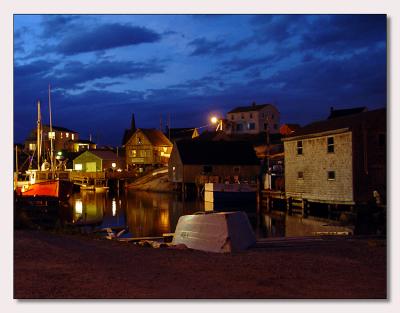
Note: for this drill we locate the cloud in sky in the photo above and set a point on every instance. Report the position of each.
(106, 36)
(107, 67)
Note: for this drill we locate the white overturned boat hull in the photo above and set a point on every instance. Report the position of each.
(215, 232)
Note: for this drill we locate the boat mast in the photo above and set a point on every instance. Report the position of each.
(51, 136)
(38, 135)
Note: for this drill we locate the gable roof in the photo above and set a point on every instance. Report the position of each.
(63, 129)
(216, 152)
(345, 112)
(155, 136)
(253, 107)
(350, 122)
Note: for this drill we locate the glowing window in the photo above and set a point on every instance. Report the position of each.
(32, 146)
(67, 135)
(52, 135)
(72, 136)
(78, 167)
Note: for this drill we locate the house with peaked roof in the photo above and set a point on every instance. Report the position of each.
(147, 147)
(253, 119)
(339, 161)
(98, 161)
(222, 159)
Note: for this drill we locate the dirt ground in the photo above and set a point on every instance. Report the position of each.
(54, 265)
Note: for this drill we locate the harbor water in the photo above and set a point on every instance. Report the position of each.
(146, 214)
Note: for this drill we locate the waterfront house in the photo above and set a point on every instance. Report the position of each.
(221, 161)
(340, 160)
(253, 119)
(62, 138)
(148, 147)
(98, 161)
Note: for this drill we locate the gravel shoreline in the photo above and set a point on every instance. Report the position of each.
(63, 266)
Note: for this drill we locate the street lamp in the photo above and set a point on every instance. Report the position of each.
(214, 120)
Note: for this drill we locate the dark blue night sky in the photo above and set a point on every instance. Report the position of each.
(103, 68)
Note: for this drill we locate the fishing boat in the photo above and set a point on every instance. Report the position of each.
(46, 182)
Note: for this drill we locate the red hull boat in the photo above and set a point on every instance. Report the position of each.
(49, 189)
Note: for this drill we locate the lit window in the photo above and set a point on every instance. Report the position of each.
(67, 135)
(61, 135)
(300, 175)
(73, 136)
(300, 147)
(78, 167)
(331, 145)
(52, 135)
(331, 175)
(32, 146)
(113, 165)
(134, 153)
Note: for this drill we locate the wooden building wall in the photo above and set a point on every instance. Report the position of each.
(315, 162)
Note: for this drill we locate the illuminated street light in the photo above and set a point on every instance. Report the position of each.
(215, 120)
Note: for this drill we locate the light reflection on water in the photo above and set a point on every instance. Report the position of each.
(152, 214)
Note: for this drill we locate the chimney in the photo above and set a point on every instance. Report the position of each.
(331, 109)
(253, 104)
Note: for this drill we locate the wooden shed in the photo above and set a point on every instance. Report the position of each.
(221, 160)
(341, 160)
(98, 161)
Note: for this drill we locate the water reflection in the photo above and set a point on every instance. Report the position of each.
(279, 224)
(153, 214)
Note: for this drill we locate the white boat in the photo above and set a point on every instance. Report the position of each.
(215, 232)
(218, 192)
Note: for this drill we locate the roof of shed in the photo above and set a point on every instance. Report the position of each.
(217, 152)
(367, 118)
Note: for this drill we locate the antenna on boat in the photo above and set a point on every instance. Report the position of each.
(38, 135)
(51, 135)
